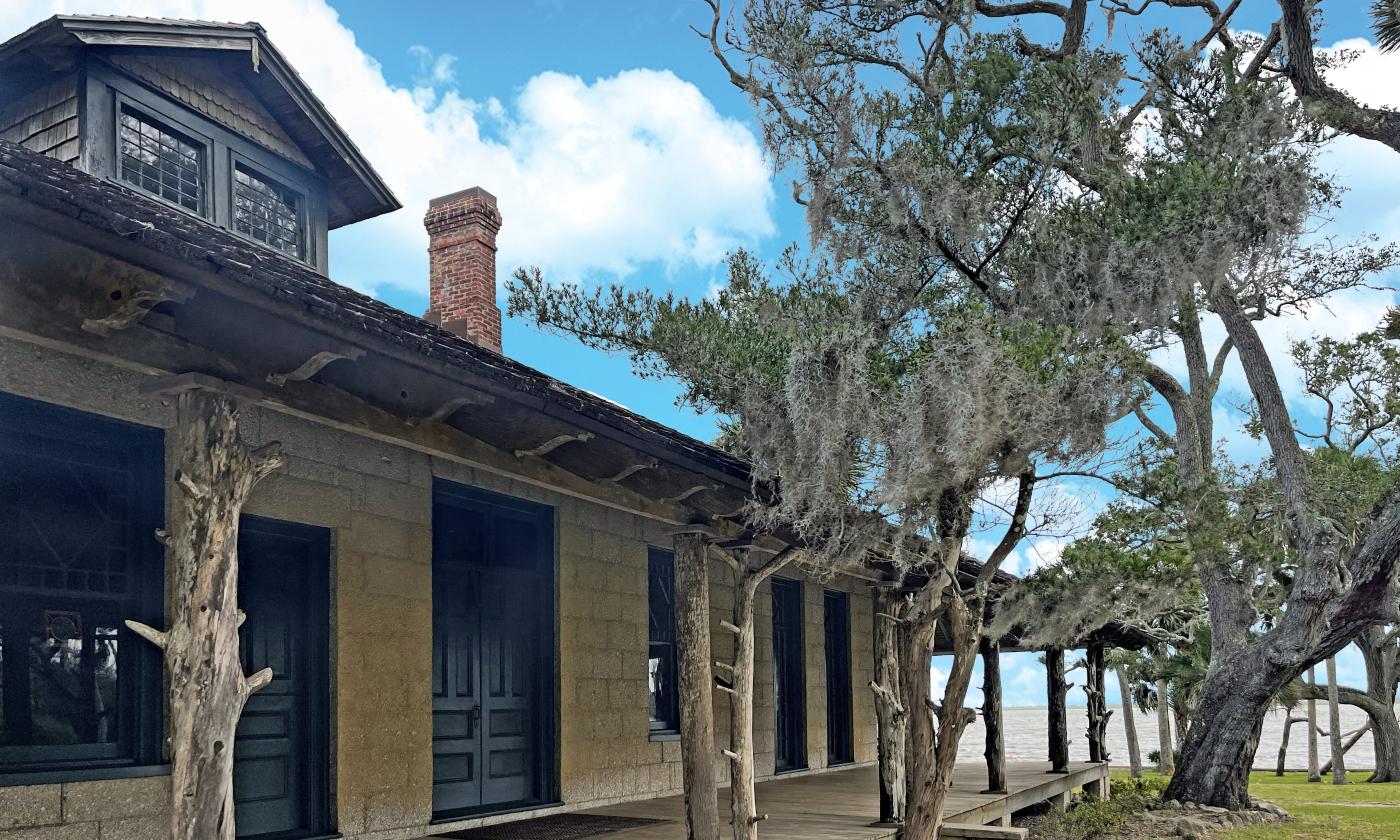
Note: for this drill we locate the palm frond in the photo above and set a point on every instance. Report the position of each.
(1386, 16)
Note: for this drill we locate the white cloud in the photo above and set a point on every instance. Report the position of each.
(603, 176)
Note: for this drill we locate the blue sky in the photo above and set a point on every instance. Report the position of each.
(620, 151)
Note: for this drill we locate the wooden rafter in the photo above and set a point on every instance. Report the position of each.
(450, 407)
(553, 444)
(314, 365)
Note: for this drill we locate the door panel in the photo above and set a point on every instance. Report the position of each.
(493, 660)
(789, 690)
(280, 752)
(837, 624)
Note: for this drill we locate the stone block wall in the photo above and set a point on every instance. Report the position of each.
(117, 809)
(376, 499)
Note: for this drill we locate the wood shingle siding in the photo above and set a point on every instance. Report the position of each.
(46, 120)
(205, 84)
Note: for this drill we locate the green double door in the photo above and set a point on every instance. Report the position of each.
(493, 653)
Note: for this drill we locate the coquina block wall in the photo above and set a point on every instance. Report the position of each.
(376, 499)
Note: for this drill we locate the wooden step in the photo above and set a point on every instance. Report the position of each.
(982, 832)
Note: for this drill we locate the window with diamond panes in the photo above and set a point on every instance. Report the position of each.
(268, 212)
(160, 161)
(79, 497)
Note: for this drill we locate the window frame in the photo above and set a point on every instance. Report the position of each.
(670, 725)
(107, 87)
(237, 160)
(138, 750)
(123, 103)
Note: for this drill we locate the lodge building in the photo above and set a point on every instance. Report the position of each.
(461, 578)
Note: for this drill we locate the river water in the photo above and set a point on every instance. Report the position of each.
(1026, 737)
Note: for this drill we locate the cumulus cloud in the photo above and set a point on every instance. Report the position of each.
(593, 177)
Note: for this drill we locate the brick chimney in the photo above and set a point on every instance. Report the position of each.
(462, 231)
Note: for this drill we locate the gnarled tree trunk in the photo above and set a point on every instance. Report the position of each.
(890, 714)
(932, 751)
(743, 808)
(1058, 729)
(215, 473)
(995, 750)
(692, 592)
(1336, 594)
(1096, 690)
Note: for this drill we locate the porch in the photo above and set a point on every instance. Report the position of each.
(842, 804)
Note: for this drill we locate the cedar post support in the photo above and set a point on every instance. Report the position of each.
(892, 720)
(1056, 689)
(991, 716)
(215, 473)
(692, 590)
(1096, 691)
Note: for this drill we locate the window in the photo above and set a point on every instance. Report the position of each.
(161, 161)
(80, 497)
(158, 146)
(267, 211)
(661, 657)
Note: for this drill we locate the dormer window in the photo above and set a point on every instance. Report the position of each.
(206, 118)
(267, 211)
(165, 149)
(161, 161)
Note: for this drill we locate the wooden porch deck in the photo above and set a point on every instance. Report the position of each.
(843, 804)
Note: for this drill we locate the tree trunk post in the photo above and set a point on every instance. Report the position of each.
(215, 473)
(1056, 690)
(932, 750)
(1334, 721)
(1129, 724)
(743, 800)
(1314, 773)
(995, 751)
(892, 719)
(692, 595)
(1096, 692)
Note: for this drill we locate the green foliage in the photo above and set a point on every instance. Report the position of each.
(1094, 818)
(1386, 17)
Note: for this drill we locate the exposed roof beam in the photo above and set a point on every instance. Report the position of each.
(313, 365)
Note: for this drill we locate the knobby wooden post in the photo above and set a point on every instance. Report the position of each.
(743, 800)
(1056, 689)
(995, 751)
(215, 473)
(892, 720)
(692, 585)
(1096, 691)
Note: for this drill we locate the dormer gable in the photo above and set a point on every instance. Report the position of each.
(205, 116)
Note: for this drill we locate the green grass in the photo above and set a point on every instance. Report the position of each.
(1324, 811)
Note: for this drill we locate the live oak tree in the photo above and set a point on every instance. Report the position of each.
(1337, 593)
(981, 238)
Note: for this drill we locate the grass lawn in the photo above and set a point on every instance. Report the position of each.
(1322, 810)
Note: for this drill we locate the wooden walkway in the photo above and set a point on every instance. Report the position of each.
(843, 804)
